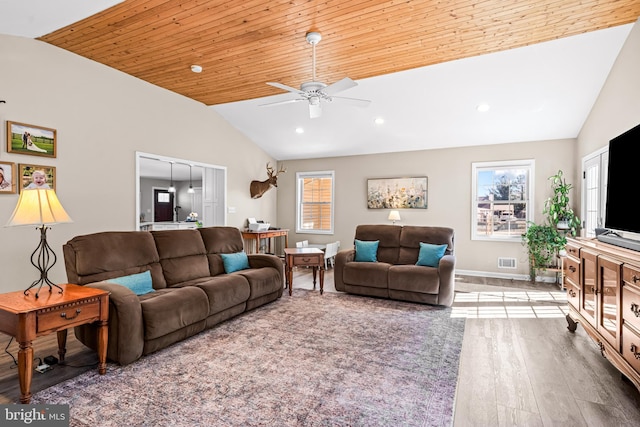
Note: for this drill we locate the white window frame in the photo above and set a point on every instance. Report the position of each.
(300, 176)
(476, 167)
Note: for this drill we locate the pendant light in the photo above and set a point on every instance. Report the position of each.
(190, 190)
(172, 188)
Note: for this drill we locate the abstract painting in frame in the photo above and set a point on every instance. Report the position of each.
(397, 193)
(7, 178)
(36, 176)
(30, 139)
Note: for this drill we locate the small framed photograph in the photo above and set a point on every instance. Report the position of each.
(36, 176)
(7, 178)
(29, 139)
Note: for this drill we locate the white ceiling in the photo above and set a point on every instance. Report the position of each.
(539, 92)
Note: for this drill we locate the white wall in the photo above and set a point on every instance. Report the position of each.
(617, 108)
(103, 117)
(449, 194)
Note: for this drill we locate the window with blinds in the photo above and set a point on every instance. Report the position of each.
(314, 202)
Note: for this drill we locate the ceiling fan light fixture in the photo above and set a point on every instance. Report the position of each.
(196, 68)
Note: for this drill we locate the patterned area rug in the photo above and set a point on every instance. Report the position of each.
(306, 360)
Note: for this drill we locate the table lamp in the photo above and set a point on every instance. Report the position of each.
(40, 207)
(394, 216)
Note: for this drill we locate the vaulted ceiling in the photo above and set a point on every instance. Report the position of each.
(242, 44)
(425, 64)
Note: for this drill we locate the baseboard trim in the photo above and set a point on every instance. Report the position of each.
(508, 276)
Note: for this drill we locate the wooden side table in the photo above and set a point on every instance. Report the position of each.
(25, 318)
(309, 257)
(266, 234)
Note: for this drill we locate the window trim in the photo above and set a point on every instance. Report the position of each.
(300, 176)
(529, 199)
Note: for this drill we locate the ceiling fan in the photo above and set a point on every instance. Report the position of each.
(315, 92)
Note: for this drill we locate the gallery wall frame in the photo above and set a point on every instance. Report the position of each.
(31, 176)
(397, 193)
(23, 138)
(8, 178)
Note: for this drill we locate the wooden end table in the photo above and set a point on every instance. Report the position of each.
(309, 257)
(24, 317)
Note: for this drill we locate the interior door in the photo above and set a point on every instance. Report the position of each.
(162, 205)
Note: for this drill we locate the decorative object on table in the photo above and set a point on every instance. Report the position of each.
(36, 177)
(23, 138)
(394, 216)
(192, 217)
(40, 207)
(397, 193)
(7, 178)
(258, 188)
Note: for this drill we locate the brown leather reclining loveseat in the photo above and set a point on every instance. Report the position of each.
(395, 274)
(192, 292)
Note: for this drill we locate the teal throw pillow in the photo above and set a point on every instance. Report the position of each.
(430, 255)
(367, 251)
(235, 262)
(139, 283)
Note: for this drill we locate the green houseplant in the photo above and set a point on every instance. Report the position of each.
(544, 241)
(557, 208)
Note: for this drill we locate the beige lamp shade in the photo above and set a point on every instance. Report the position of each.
(38, 207)
(394, 216)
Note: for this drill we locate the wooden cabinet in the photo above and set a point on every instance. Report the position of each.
(603, 292)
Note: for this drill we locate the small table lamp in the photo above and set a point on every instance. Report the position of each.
(40, 207)
(394, 216)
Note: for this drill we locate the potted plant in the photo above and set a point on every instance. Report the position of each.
(543, 242)
(546, 240)
(557, 208)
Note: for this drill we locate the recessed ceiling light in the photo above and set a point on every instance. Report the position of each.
(483, 107)
(379, 120)
(196, 68)
(299, 130)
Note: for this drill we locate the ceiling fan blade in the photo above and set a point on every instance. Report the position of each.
(315, 110)
(353, 101)
(288, 101)
(339, 86)
(285, 87)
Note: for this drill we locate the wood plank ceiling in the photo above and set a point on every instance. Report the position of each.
(241, 45)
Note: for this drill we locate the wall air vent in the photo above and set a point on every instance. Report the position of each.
(506, 263)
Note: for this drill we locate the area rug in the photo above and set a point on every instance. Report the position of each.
(306, 360)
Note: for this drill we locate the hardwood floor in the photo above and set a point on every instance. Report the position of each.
(519, 364)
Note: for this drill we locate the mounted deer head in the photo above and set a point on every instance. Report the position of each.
(258, 188)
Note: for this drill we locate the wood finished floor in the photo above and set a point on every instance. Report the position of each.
(518, 367)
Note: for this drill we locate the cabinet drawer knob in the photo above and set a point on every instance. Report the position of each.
(634, 351)
(572, 269)
(635, 278)
(64, 314)
(571, 293)
(635, 309)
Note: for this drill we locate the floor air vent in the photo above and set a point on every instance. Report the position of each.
(506, 263)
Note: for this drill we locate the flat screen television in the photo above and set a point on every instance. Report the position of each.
(622, 210)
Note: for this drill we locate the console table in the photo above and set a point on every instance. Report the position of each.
(24, 317)
(267, 234)
(603, 291)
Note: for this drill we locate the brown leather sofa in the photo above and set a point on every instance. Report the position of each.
(192, 290)
(395, 274)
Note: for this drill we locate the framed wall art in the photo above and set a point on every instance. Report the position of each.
(7, 178)
(29, 139)
(397, 193)
(36, 176)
